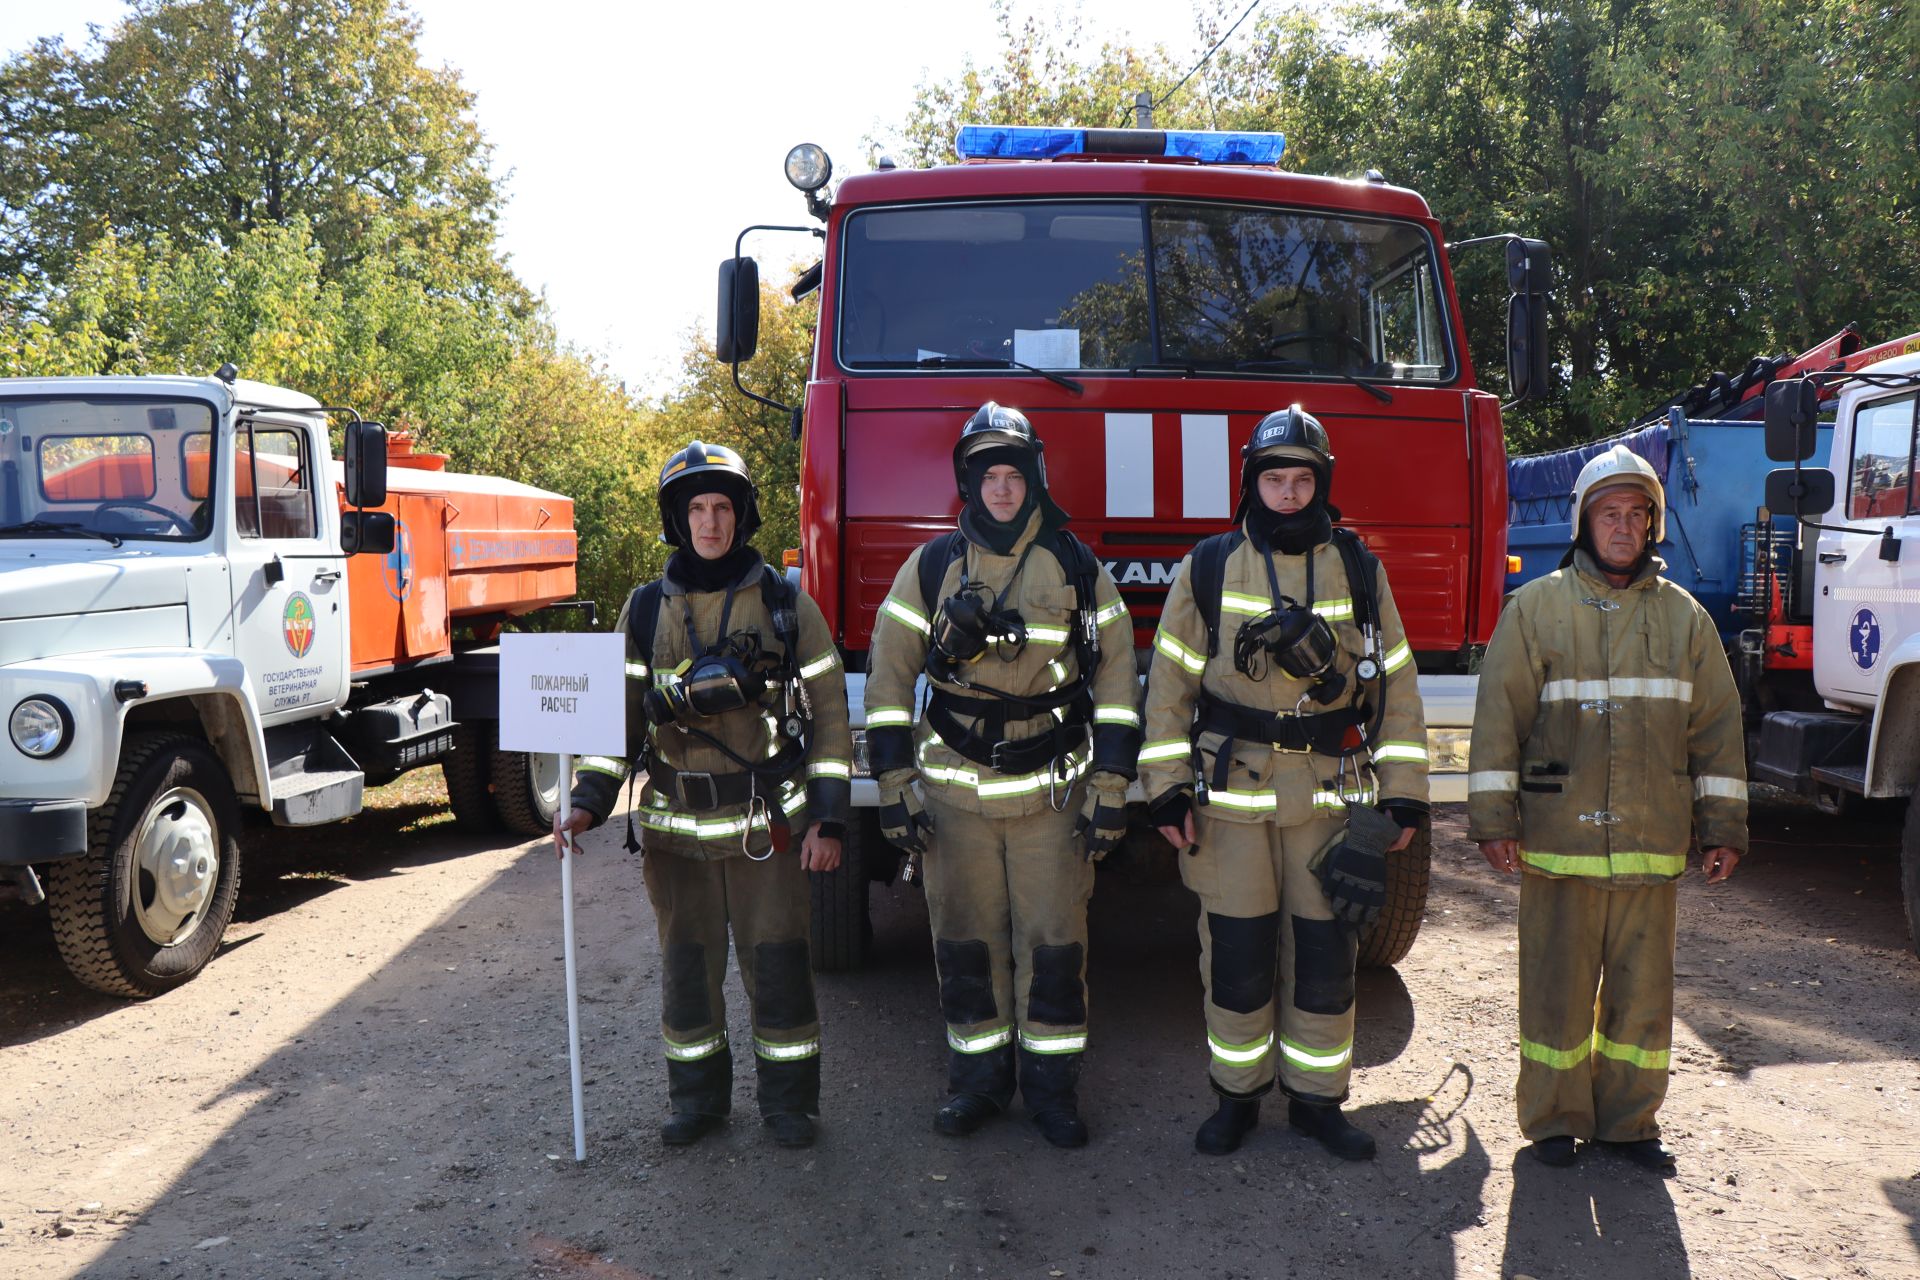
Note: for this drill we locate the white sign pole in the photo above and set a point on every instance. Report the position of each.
(562, 695)
(573, 980)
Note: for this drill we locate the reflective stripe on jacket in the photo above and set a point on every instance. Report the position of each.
(1263, 783)
(1046, 601)
(1607, 730)
(818, 791)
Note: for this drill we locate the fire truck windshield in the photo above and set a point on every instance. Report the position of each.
(1119, 285)
(113, 468)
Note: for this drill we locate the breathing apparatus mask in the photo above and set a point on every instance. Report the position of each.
(965, 627)
(1298, 641)
(727, 679)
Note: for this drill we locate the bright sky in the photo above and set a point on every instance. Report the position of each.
(641, 137)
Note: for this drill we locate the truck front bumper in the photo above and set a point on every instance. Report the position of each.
(41, 831)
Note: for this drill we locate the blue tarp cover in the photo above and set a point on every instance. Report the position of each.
(1540, 485)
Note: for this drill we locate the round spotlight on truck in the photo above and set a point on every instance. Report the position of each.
(808, 167)
(41, 726)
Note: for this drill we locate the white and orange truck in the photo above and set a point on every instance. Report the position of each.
(204, 615)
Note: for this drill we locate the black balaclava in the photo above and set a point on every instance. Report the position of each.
(978, 524)
(1296, 533)
(686, 566)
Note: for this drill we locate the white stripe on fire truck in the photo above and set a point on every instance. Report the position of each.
(1204, 484)
(1130, 464)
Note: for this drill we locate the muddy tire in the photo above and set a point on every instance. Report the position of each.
(841, 928)
(526, 791)
(1910, 869)
(1387, 941)
(468, 770)
(144, 910)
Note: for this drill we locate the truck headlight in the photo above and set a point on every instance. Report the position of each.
(41, 726)
(1447, 750)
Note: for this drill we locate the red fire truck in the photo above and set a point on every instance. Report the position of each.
(1145, 297)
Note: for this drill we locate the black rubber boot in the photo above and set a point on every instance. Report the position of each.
(1048, 1085)
(1324, 1123)
(703, 1086)
(1557, 1152)
(790, 1087)
(684, 1128)
(1648, 1153)
(790, 1128)
(961, 1114)
(1225, 1129)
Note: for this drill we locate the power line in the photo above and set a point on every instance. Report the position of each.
(1205, 58)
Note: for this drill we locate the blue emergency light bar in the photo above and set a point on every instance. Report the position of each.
(1030, 142)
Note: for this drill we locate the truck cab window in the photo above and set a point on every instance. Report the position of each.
(1880, 481)
(113, 466)
(274, 490)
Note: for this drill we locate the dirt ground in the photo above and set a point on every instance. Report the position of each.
(371, 1081)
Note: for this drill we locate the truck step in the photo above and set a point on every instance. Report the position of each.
(1848, 777)
(309, 799)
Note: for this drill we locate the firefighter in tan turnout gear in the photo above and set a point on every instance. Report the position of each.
(1023, 757)
(737, 711)
(1606, 736)
(1286, 752)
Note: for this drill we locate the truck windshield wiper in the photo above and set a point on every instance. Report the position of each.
(996, 362)
(1165, 366)
(1381, 394)
(65, 528)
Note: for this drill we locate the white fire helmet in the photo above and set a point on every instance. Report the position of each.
(1620, 466)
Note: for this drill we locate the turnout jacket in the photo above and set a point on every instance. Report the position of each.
(1046, 601)
(1607, 730)
(1265, 783)
(818, 790)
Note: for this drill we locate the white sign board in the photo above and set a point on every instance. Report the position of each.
(564, 694)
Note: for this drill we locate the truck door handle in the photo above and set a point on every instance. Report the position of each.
(1833, 557)
(327, 575)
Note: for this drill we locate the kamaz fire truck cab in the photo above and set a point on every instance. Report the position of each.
(1146, 297)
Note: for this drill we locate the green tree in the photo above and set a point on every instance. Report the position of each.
(204, 119)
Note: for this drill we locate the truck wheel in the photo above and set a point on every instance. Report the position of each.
(841, 929)
(1910, 868)
(526, 791)
(144, 910)
(468, 772)
(1387, 941)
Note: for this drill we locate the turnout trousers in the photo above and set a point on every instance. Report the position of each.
(768, 905)
(1008, 902)
(1277, 967)
(1596, 1008)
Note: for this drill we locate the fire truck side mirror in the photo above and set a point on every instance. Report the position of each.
(1529, 266)
(737, 318)
(1793, 419)
(366, 464)
(364, 532)
(1529, 360)
(1805, 491)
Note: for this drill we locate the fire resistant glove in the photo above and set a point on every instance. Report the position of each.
(1103, 817)
(903, 819)
(1353, 869)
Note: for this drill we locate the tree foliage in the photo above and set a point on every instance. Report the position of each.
(205, 119)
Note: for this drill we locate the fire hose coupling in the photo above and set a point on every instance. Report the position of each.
(1601, 818)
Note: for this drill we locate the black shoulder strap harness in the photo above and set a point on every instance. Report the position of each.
(985, 741)
(1325, 732)
(757, 779)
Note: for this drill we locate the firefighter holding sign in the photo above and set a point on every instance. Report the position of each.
(1286, 753)
(737, 711)
(1023, 759)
